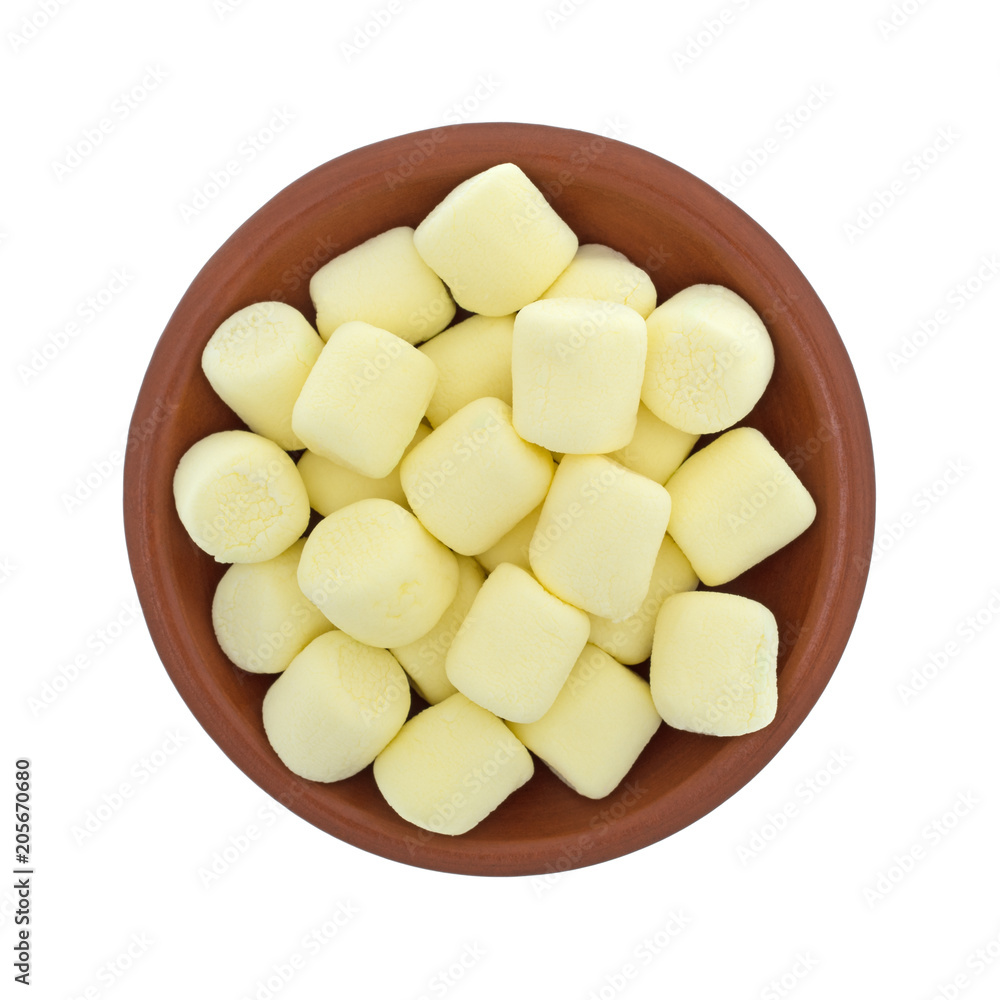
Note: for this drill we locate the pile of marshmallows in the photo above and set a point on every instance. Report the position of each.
(510, 556)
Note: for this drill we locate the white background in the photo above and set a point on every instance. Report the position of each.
(883, 878)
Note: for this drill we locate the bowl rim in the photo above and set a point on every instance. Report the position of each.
(851, 528)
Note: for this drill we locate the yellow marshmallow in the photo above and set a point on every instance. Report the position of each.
(331, 486)
(495, 241)
(261, 617)
(377, 573)
(450, 766)
(598, 535)
(714, 663)
(472, 479)
(656, 449)
(631, 640)
(473, 360)
(424, 659)
(513, 547)
(736, 502)
(335, 708)
(363, 399)
(257, 362)
(598, 272)
(709, 359)
(598, 725)
(516, 647)
(240, 497)
(577, 372)
(383, 281)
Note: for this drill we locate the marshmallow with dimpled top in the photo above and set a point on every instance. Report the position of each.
(513, 547)
(364, 398)
(714, 663)
(598, 272)
(257, 361)
(577, 370)
(516, 647)
(331, 486)
(656, 449)
(335, 707)
(473, 360)
(261, 617)
(598, 535)
(598, 725)
(495, 241)
(424, 659)
(377, 573)
(472, 479)
(450, 766)
(240, 497)
(709, 360)
(736, 502)
(385, 282)
(631, 640)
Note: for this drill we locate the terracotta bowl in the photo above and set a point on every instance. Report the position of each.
(682, 231)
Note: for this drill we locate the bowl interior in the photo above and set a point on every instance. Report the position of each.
(682, 232)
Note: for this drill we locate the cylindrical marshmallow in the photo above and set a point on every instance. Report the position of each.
(450, 766)
(577, 372)
(495, 241)
(377, 573)
(598, 272)
(331, 486)
(596, 728)
(473, 360)
(656, 449)
(335, 707)
(598, 535)
(257, 361)
(709, 360)
(516, 647)
(385, 282)
(736, 502)
(261, 617)
(714, 663)
(363, 399)
(424, 659)
(631, 640)
(240, 497)
(472, 479)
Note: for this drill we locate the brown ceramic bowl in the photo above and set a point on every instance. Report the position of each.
(682, 231)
